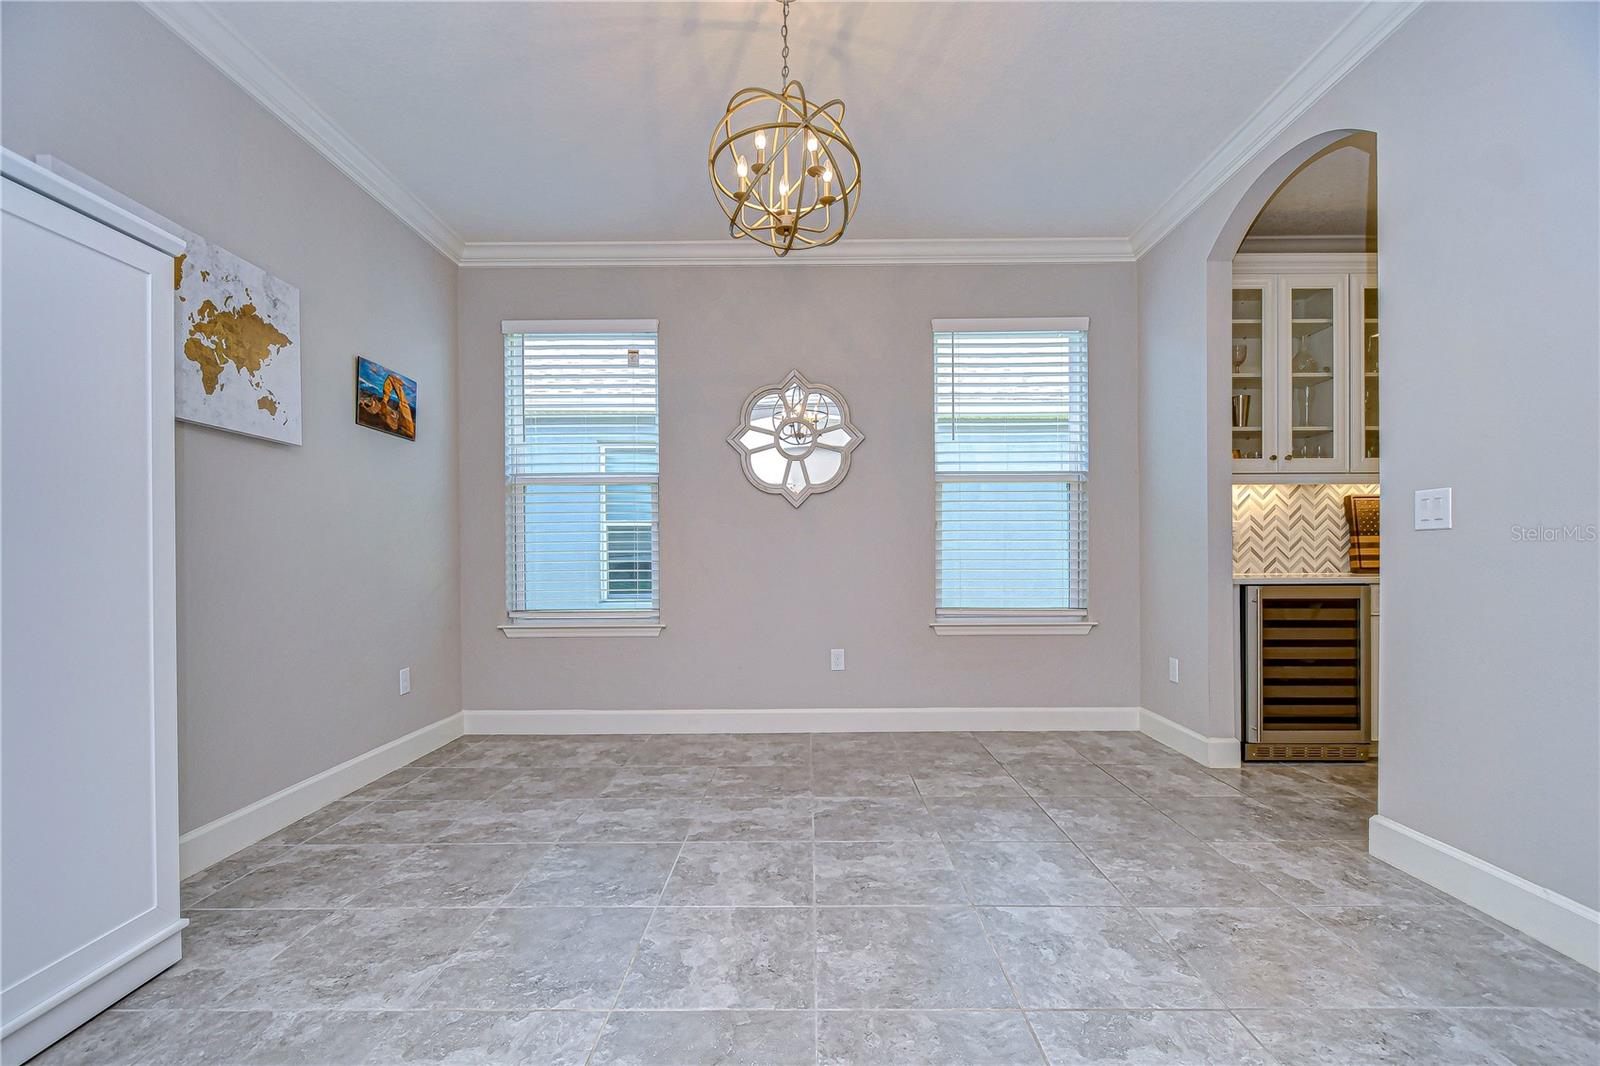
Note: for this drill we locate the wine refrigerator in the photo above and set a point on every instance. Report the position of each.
(1308, 692)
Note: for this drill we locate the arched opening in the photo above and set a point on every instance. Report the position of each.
(1292, 384)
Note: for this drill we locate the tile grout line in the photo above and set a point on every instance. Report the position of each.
(816, 929)
(639, 945)
(977, 913)
(1251, 1033)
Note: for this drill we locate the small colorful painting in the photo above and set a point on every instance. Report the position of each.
(385, 400)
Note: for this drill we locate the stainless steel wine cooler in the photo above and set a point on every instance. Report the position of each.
(1308, 692)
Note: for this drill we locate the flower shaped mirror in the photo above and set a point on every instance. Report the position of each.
(795, 438)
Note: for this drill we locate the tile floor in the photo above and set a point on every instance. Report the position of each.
(840, 898)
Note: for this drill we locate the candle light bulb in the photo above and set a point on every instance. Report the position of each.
(827, 176)
(811, 143)
(761, 140)
(743, 168)
(783, 189)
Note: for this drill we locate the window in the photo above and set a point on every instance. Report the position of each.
(627, 526)
(582, 466)
(1011, 472)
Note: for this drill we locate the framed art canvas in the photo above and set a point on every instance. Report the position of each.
(385, 400)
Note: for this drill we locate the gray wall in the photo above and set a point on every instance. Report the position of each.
(755, 592)
(1487, 193)
(306, 576)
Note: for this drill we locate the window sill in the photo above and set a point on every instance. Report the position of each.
(1012, 627)
(595, 629)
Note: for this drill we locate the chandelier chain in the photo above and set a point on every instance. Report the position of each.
(785, 35)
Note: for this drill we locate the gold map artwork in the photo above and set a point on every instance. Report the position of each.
(238, 345)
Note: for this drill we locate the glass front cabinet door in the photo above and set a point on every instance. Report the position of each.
(1254, 398)
(1312, 329)
(1364, 449)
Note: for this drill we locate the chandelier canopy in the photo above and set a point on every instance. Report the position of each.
(784, 171)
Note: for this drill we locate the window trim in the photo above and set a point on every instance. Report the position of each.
(1008, 622)
(618, 623)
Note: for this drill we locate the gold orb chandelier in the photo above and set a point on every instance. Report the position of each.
(784, 171)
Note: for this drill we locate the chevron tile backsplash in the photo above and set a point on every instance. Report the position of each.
(1292, 529)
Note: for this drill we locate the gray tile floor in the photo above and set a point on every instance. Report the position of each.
(840, 898)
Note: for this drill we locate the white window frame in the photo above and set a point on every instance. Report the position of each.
(971, 622)
(645, 623)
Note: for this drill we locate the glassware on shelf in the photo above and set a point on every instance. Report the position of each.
(1241, 410)
(1302, 405)
(1304, 361)
(1372, 353)
(1241, 352)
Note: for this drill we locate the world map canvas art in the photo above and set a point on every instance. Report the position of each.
(238, 344)
(385, 400)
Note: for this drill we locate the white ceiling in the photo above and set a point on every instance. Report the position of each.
(590, 121)
(1331, 196)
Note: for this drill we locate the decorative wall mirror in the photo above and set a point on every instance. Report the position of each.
(795, 438)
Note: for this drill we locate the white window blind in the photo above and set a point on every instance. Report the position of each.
(582, 471)
(1011, 467)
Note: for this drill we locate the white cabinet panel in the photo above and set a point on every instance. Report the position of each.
(87, 637)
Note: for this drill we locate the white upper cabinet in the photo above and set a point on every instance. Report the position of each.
(1304, 396)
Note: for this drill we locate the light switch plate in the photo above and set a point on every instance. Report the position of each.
(1172, 670)
(1433, 509)
(405, 681)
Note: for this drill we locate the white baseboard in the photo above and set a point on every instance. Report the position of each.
(1549, 917)
(36, 1030)
(1218, 753)
(216, 840)
(816, 720)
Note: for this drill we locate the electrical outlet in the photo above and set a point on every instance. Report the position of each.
(405, 680)
(836, 659)
(1172, 671)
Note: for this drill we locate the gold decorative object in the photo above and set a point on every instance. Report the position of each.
(784, 171)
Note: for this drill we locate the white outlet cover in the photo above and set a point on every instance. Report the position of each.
(1433, 509)
(405, 681)
(836, 659)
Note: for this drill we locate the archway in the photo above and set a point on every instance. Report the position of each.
(1225, 695)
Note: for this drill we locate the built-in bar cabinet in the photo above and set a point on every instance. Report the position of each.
(1304, 396)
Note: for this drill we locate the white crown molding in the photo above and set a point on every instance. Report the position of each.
(1366, 29)
(1304, 262)
(731, 253)
(198, 26)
